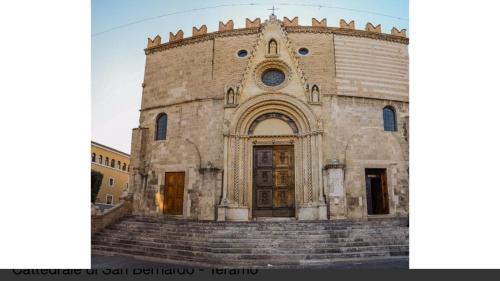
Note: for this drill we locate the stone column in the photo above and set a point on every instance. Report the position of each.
(314, 206)
(334, 174)
(223, 204)
(322, 210)
(230, 207)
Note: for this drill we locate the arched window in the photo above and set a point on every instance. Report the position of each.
(93, 157)
(112, 163)
(100, 159)
(124, 166)
(161, 127)
(106, 162)
(389, 119)
(119, 165)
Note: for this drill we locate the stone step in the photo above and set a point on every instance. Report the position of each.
(255, 236)
(246, 244)
(253, 244)
(255, 240)
(238, 258)
(120, 227)
(302, 264)
(249, 231)
(267, 224)
(291, 224)
(254, 250)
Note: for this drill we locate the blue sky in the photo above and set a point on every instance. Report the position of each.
(118, 55)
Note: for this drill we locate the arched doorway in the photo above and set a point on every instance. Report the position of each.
(273, 185)
(287, 129)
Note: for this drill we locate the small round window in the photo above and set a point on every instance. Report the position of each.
(303, 51)
(242, 53)
(273, 77)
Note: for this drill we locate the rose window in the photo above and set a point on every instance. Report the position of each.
(273, 77)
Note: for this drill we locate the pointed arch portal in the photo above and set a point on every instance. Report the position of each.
(291, 183)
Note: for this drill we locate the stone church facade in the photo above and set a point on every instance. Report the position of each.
(274, 120)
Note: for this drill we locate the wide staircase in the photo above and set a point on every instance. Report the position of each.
(257, 244)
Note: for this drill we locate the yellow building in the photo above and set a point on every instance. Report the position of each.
(114, 165)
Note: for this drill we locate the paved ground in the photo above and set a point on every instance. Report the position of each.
(101, 262)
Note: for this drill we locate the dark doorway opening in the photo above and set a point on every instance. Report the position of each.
(377, 196)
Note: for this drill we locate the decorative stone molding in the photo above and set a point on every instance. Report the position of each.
(199, 31)
(231, 96)
(348, 32)
(336, 164)
(272, 50)
(314, 94)
(155, 42)
(201, 38)
(293, 22)
(248, 71)
(279, 116)
(226, 27)
(272, 64)
(252, 24)
(302, 115)
(238, 141)
(344, 24)
(177, 37)
(249, 66)
(396, 32)
(370, 28)
(294, 58)
(316, 23)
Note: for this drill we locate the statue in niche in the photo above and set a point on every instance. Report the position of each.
(230, 96)
(273, 47)
(315, 94)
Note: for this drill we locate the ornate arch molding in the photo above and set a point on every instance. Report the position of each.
(237, 197)
(273, 115)
(287, 105)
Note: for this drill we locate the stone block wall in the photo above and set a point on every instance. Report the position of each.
(359, 141)
(371, 68)
(357, 76)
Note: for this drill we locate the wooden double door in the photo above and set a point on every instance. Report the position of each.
(273, 181)
(174, 193)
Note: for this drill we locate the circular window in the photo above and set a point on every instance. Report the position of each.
(303, 51)
(242, 53)
(273, 77)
